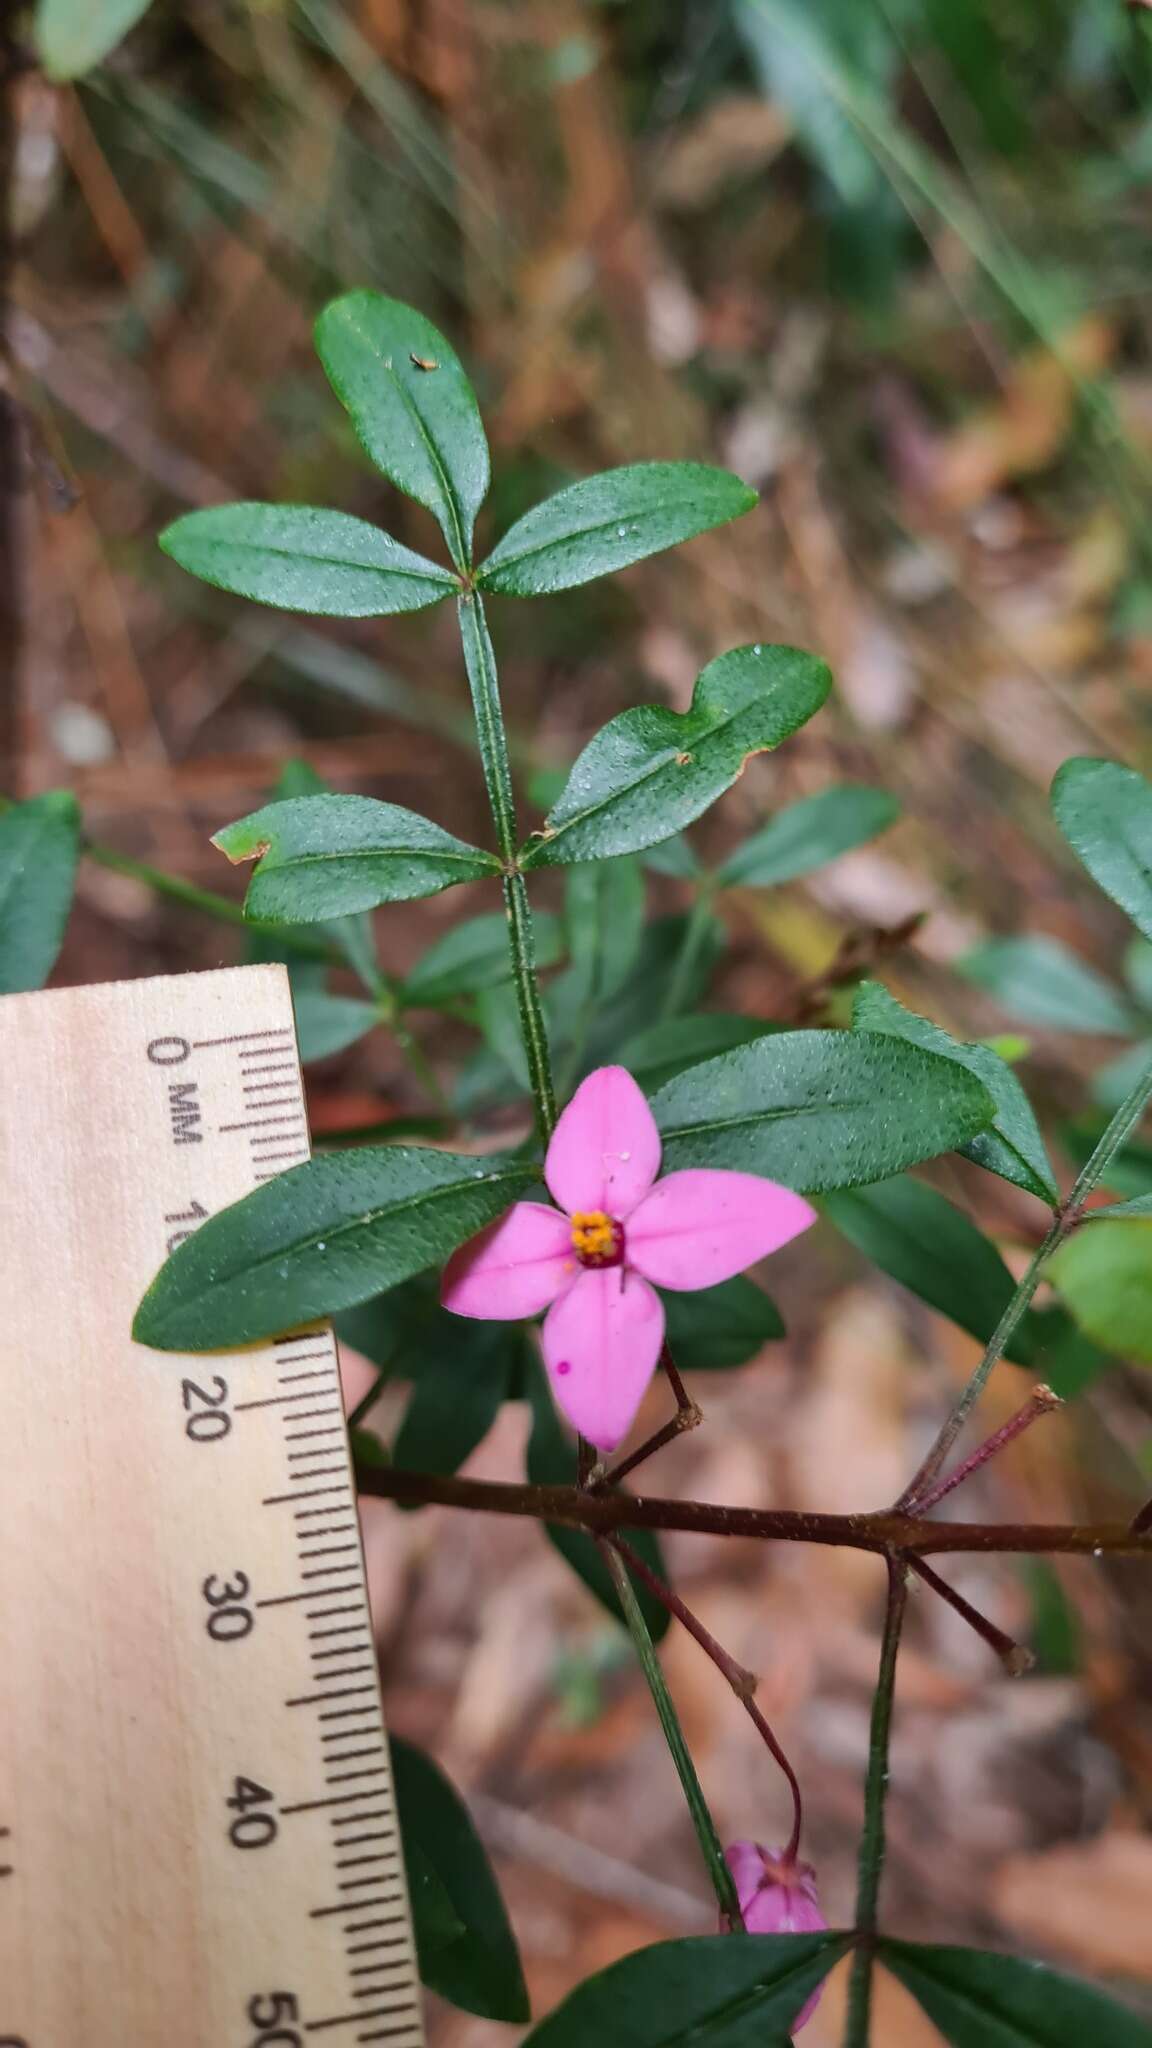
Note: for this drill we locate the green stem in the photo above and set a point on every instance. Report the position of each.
(1065, 1220)
(872, 1840)
(533, 1029)
(420, 1066)
(710, 1844)
(695, 929)
(480, 662)
(219, 907)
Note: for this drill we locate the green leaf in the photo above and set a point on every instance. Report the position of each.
(809, 834)
(709, 1991)
(803, 54)
(323, 856)
(352, 936)
(658, 971)
(604, 917)
(1105, 1276)
(1138, 971)
(1013, 1147)
(1129, 1172)
(719, 1327)
(1138, 1205)
(396, 1329)
(458, 1393)
(368, 1453)
(72, 36)
(1105, 814)
(330, 1024)
(479, 1967)
(320, 1237)
(1114, 1081)
(917, 1237)
(605, 522)
(551, 1461)
(305, 560)
(1040, 980)
(979, 2000)
(420, 425)
(498, 1021)
(435, 1921)
(474, 956)
(1055, 1634)
(39, 848)
(934, 1250)
(675, 857)
(652, 770)
(820, 1109)
(661, 1051)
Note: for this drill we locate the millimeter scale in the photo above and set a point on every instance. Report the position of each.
(198, 1837)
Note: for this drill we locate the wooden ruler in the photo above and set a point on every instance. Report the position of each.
(198, 1837)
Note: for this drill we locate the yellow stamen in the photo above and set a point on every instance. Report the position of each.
(594, 1234)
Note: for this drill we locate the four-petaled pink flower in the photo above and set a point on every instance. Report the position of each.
(777, 1896)
(594, 1257)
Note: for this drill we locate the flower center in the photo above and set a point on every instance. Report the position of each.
(597, 1239)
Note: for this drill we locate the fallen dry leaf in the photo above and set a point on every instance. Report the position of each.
(1089, 1903)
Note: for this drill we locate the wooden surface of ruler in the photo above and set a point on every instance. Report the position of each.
(198, 1837)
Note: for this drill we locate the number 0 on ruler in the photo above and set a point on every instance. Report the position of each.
(198, 1836)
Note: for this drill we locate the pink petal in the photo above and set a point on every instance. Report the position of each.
(605, 1150)
(513, 1268)
(601, 1343)
(701, 1226)
(746, 1862)
(770, 1906)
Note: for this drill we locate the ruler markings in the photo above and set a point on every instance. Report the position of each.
(279, 1401)
(316, 1699)
(238, 1037)
(257, 1123)
(255, 1940)
(272, 1500)
(363, 1906)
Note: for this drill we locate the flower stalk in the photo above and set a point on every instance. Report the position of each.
(873, 1840)
(1065, 1220)
(742, 1681)
(711, 1847)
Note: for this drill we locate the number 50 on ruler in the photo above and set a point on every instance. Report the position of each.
(198, 1837)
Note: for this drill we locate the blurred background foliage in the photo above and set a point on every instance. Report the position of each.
(888, 260)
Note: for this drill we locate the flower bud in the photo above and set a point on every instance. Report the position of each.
(776, 1897)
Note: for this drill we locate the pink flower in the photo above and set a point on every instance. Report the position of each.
(776, 1897)
(591, 1260)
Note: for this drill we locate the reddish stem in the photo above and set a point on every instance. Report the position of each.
(742, 1682)
(688, 1416)
(602, 1514)
(1014, 1657)
(1041, 1401)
